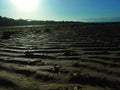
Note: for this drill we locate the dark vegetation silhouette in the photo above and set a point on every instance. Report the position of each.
(4, 21)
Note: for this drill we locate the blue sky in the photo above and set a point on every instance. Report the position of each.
(68, 10)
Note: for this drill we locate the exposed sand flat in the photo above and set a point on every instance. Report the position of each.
(60, 59)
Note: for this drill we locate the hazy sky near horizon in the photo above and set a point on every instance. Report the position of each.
(68, 10)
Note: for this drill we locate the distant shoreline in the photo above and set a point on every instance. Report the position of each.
(4, 21)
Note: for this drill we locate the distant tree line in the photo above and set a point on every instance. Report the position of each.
(4, 21)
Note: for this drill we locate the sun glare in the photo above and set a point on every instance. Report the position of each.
(26, 5)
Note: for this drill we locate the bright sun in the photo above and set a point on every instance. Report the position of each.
(26, 5)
